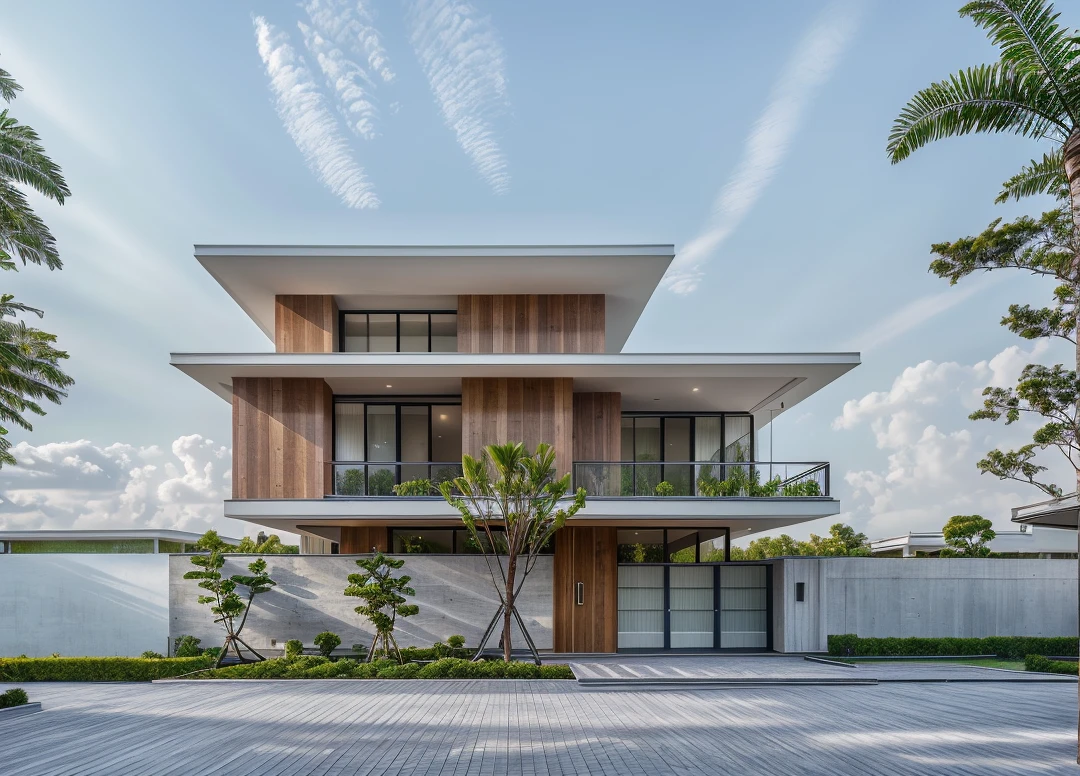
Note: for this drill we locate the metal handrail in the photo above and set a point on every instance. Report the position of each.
(373, 482)
(641, 478)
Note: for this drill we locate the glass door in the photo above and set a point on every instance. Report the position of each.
(744, 607)
(690, 606)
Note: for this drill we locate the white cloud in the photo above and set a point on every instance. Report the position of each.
(309, 122)
(82, 485)
(806, 71)
(929, 471)
(464, 62)
(336, 25)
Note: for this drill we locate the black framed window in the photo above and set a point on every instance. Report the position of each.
(446, 541)
(673, 545)
(394, 331)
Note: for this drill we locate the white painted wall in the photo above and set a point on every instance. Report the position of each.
(935, 597)
(454, 592)
(83, 604)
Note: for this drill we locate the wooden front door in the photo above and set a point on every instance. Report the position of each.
(585, 594)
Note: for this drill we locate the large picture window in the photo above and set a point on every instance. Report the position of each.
(378, 331)
(379, 444)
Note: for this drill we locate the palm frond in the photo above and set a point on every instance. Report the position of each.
(22, 232)
(1042, 176)
(1030, 39)
(988, 98)
(8, 87)
(23, 159)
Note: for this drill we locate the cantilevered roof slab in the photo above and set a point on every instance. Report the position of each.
(764, 384)
(431, 276)
(1056, 513)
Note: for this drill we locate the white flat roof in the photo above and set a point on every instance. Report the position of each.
(663, 382)
(70, 535)
(745, 516)
(1026, 540)
(418, 276)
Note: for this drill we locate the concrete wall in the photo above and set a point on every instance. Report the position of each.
(83, 604)
(882, 597)
(454, 592)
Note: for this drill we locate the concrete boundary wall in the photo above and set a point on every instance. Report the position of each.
(83, 604)
(454, 592)
(934, 597)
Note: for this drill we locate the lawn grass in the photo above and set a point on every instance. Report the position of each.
(981, 662)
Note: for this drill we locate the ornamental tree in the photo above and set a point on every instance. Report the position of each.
(512, 504)
(384, 600)
(967, 536)
(224, 600)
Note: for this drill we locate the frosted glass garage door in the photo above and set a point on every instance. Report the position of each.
(641, 607)
(744, 614)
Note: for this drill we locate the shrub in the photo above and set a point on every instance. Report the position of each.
(414, 488)
(318, 667)
(456, 641)
(665, 488)
(294, 648)
(1046, 666)
(395, 671)
(186, 646)
(1005, 647)
(13, 697)
(151, 655)
(327, 642)
(212, 652)
(96, 669)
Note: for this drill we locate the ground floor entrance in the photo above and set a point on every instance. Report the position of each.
(694, 606)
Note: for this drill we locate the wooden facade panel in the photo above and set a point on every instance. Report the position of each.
(282, 430)
(531, 323)
(597, 426)
(305, 323)
(358, 540)
(585, 555)
(530, 410)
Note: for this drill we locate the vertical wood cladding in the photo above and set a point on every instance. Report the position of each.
(531, 323)
(586, 554)
(514, 409)
(357, 540)
(305, 324)
(282, 437)
(597, 426)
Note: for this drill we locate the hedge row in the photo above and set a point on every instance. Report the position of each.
(13, 697)
(317, 667)
(1005, 647)
(96, 669)
(1043, 665)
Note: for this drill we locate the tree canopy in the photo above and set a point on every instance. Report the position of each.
(967, 536)
(841, 541)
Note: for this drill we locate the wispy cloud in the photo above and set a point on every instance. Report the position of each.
(337, 26)
(807, 69)
(460, 53)
(308, 120)
(916, 313)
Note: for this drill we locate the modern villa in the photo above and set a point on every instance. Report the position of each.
(390, 362)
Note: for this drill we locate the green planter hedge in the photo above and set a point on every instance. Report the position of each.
(1043, 665)
(96, 669)
(1005, 647)
(317, 667)
(13, 697)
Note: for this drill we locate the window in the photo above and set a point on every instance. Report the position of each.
(672, 545)
(444, 541)
(419, 331)
(380, 444)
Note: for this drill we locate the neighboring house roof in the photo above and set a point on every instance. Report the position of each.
(1026, 540)
(1056, 513)
(378, 276)
(164, 534)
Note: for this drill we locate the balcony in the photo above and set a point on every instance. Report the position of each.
(742, 479)
(753, 479)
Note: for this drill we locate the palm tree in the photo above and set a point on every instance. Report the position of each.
(29, 362)
(1033, 91)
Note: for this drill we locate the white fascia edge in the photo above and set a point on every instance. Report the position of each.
(432, 251)
(524, 359)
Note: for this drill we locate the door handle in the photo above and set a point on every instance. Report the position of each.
(579, 593)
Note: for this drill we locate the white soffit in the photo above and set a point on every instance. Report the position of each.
(406, 275)
(745, 382)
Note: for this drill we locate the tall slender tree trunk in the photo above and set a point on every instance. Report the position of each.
(1071, 152)
(511, 574)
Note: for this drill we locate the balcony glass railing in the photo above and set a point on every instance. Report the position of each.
(378, 478)
(745, 479)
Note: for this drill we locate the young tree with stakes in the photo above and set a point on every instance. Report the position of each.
(511, 489)
(225, 602)
(384, 599)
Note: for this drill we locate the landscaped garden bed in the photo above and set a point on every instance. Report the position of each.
(1004, 647)
(318, 667)
(1047, 666)
(97, 669)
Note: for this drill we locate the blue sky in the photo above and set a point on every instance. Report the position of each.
(763, 123)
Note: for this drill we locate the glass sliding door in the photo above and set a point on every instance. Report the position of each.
(641, 607)
(677, 435)
(744, 609)
(382, 446)
(413, 333)
(690, 607)
(647, 451)
(382, 333)
(445, 442)
(349, 479)
(415, 430)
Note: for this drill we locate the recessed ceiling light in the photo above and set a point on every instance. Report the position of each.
(389, 386)
(695, 390)
(443, 417)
